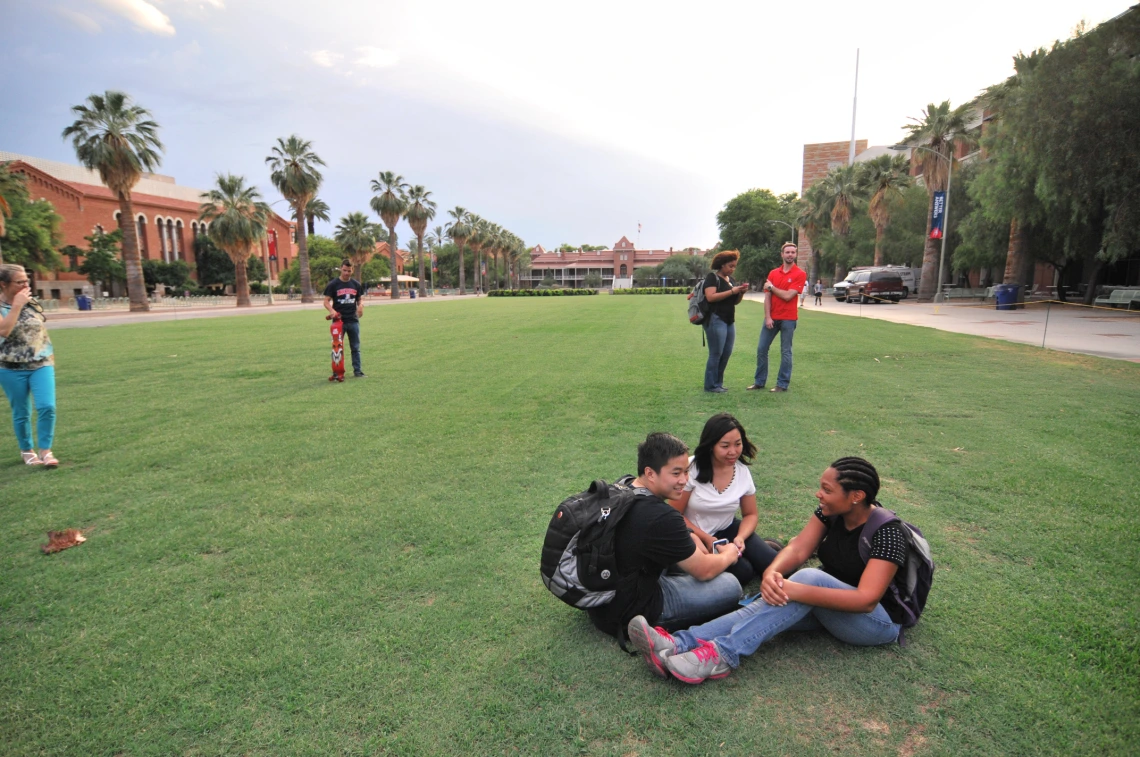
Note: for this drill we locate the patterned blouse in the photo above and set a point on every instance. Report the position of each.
(28, 346)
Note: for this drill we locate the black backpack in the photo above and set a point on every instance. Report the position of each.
(912, 582)
(578, 561)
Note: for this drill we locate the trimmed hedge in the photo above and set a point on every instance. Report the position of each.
(653, 290)
(540, 292)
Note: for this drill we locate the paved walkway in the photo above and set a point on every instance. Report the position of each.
(92, 319)
(1102, 332)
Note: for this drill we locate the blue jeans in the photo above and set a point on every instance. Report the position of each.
(40, 384)
(742, 632)
(352, 331)
(721, 336)
(689, 601)
(757, 554)
(768, 335)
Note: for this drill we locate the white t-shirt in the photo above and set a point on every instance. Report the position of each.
(713, 511)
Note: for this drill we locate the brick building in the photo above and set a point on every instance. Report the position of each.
(615, 266)
(166, 217)
(820, 158)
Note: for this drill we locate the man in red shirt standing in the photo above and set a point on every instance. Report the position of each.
(781, 311)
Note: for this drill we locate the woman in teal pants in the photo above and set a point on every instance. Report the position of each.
(27, 366)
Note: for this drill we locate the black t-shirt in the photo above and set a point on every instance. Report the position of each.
(651, 537)
(345, 296)
(839, 553)
(724, 309)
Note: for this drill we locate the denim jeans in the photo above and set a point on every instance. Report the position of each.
(756, 558)
(767, 336)
(742, 632)
(352, 331)
(40, 384)
(721, 337)
(689, 601)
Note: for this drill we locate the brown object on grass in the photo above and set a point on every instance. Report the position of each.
(61, 540)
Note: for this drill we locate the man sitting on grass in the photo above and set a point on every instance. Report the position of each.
(651, 537)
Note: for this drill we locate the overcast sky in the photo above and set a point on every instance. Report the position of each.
(566, 122)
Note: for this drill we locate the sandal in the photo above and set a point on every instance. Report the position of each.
(31, 458)
(49, 460)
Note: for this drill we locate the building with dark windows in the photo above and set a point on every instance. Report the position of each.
(615, 266)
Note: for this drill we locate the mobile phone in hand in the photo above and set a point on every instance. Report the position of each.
(717, 543)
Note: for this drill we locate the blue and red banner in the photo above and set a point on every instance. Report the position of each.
(938, 215)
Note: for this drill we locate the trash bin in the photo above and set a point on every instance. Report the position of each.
(1006, 296)
(413, 291)
(83, 301)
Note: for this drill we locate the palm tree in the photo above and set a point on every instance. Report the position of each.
(357, 236)
(420, 209)
(316, 210)
(237, 221)
(941, 130)
(883, 179)
(293, 166)
(390, 203)
(459, 230)
(841, 190)
(475, 242)
(814, 214)
(118, 139)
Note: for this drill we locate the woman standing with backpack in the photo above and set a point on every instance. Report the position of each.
(722, 295)
(848, 597)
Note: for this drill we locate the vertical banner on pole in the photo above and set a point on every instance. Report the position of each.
(937, 215)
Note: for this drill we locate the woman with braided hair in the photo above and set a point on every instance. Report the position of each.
(845, 597)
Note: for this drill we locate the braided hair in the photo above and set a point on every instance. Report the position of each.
(856, 474)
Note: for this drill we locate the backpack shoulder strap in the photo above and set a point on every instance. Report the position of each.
(880, 516)
(599, 487)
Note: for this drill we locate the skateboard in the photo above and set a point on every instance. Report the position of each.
(337, 331)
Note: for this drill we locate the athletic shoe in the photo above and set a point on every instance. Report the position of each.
(655, 644)
(717, 390)
(359, 375)
(695, 666)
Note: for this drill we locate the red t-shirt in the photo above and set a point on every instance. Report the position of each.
(796, 280)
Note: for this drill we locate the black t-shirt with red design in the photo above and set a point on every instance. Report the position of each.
(345, 297)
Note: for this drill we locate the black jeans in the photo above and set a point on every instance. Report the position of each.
(757, 554)
(352, 330)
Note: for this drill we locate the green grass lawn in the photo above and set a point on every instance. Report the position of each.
(278, 565)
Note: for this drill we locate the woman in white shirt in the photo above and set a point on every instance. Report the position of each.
(719, 484)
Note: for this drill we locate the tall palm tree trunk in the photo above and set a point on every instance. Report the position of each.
(420, 255)
(879, 234)
(929, 281)
(303, 255)
(1014, 254)
(393, 254)
(462, 273)
(136, 284)
(241, 283)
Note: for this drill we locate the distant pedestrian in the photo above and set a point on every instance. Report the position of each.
(819, 291)
(27, 365)
(781, 313)
(344, 296)
(722, 294)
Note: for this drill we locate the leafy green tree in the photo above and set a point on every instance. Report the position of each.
(842, 191)
(238, 220)
(419, 210)
(592, 280)
(293, 170)
(459, 230)
(643, 276)
(390, 203)
(357, 237)
(375, 269)
(120, 142)
(882, 179)
(175, 274)
(941, 130)
(12, 187)
(32, 234)
(101, 264)
(746, 224)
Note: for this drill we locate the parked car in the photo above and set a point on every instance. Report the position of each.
(875, 286)
(908, 276)
(840, 288)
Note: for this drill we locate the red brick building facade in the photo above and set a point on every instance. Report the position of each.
(615, 266)
(166, 217)
(818, 160)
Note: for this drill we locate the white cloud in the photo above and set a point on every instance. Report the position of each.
(143, 15)
(324, 58)
(86, 23)
(375, 57)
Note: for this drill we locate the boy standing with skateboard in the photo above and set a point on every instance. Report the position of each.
(344, 297)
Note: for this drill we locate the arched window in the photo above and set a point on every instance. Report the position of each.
(624, 270)
(140, 228)
(160, 226)
(179, 242)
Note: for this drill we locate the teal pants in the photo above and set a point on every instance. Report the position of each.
(22, 387)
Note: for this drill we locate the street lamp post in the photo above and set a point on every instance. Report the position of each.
(785, 223)
(938, 296)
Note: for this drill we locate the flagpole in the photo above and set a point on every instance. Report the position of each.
(854, 107)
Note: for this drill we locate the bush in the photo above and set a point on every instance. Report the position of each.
(653, 290)
(540, 292)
